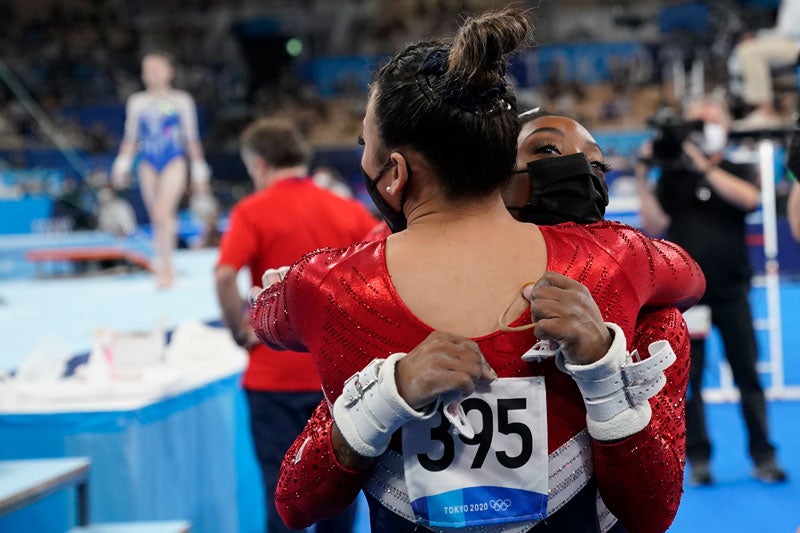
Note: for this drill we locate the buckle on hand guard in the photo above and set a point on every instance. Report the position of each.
(356, 385)
(541, 350)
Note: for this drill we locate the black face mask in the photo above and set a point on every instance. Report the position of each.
(396, 220)
(564, 189)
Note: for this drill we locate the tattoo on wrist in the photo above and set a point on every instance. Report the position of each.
(346, 455)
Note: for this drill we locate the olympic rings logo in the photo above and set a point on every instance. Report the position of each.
(500, 505)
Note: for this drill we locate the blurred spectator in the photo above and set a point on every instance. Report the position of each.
(775, 47)
(793, 166)
(205, 210)
(76, 204)
(115, 215)
(329, 178)
(793, 210)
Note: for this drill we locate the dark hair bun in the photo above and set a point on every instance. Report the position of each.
(478, 55)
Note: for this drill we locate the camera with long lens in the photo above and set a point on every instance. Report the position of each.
(670, 132)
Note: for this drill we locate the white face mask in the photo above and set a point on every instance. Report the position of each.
(715, 137)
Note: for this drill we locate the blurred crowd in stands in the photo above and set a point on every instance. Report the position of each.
(64, 56)
(231, 56)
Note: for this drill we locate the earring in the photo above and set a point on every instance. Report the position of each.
(389, 189)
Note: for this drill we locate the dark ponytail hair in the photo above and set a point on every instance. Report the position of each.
(450, 102)
(478, 55)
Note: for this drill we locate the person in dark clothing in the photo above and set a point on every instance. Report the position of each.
(77, 205)
(793, 167)
(700, 202)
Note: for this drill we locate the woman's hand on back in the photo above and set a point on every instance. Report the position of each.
(442, 363)
(563, 310)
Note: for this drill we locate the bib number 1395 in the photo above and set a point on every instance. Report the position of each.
(484, 435)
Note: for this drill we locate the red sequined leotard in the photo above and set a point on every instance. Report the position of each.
(340, 306)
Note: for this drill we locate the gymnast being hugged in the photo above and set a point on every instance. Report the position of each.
(479, 370)
(161, 137)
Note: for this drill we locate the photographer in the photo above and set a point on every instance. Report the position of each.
(793, 166)
(793, 210)
(700, 202)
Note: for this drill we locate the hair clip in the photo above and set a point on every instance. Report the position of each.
(531, 111)
(436, 62)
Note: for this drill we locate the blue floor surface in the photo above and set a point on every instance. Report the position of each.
(65, 311)
(737, 502)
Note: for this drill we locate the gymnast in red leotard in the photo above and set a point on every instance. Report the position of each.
(586, 440)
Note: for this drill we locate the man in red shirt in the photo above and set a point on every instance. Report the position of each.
(286, 217)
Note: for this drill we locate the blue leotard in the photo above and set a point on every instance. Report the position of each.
(161, 125)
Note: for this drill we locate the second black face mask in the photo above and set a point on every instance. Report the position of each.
(564, 189)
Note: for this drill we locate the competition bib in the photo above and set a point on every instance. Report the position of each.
(500, 475)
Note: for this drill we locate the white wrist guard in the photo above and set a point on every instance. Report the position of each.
(200, 171)
(122, 165)
(370, 409)
(616, 388)
(271, 276)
